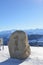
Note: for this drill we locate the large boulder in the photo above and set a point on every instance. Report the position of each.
(18, 45)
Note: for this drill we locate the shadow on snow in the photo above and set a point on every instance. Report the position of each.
(12, 62)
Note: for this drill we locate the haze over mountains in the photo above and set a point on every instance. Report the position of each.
(30, 31)
(34, 31)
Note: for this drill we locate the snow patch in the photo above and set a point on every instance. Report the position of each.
(36, 57)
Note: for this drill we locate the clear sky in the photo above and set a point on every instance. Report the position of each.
(21, 14)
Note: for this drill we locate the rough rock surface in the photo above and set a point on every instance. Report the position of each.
(18, 45)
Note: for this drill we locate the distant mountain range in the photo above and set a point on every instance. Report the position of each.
(30, 31)
(34, 31)
(35, 36)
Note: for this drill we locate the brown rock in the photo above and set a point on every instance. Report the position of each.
(18, 45)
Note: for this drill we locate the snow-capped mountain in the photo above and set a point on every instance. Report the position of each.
(34, 36)
(34, 31)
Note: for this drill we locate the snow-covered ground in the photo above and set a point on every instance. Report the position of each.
(36, 57)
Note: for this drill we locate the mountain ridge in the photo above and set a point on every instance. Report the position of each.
(29, 31)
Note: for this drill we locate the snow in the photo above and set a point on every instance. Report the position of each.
(32, 41)
(40, 40)
(36, 57)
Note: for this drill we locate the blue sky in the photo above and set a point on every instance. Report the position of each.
(21, 14)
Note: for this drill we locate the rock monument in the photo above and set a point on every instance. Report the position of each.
(18, 45)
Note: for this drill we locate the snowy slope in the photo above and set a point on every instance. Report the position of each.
(36, 57)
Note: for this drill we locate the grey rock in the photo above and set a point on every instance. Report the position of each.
(18, 45)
